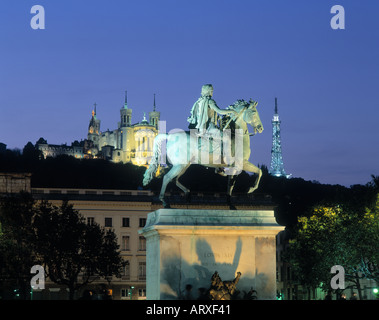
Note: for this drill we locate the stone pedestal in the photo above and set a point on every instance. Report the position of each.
(187, 246)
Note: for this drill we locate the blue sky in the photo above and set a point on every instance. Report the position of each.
(326, 80)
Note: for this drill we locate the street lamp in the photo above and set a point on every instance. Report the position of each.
(131, 292)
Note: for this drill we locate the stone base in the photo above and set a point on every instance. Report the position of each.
(187, 246)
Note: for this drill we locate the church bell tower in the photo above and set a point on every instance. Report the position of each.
(94, 128)
(126, 114)
(154, 116)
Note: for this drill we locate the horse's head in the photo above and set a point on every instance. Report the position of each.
(247, 111)
(251, 116)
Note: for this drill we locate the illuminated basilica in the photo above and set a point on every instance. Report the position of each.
(127, 143)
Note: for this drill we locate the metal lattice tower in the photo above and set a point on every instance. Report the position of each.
(277, 166)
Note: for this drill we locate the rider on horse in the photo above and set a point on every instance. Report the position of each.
(204, 116)
(204, 113)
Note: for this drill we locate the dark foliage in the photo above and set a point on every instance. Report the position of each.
(72, 252)
(294, 197)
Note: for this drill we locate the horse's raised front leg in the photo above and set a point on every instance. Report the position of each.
(173, 173)
(249, 167)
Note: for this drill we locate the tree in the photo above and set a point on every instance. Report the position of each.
(367, 243)
(74, 253)
(374, 182)
(16, 236)
(335, 236)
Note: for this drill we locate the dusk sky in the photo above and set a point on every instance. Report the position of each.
(326, 81)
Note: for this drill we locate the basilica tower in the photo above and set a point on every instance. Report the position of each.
(126, 113)
(154, 116)
(124, 131)
(94, 128)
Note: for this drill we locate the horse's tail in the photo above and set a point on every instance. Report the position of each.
(154, 163)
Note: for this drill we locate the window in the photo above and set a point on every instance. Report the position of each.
(142, 222)
(142, 293)
(142, 243)
(90, 221)
(126, 271)
(142, 270)
(108, 222)
(126, 293)
(125, 243)
(125, 222)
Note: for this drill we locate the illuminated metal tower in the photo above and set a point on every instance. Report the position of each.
(277, 166)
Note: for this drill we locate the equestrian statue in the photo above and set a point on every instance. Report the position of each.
(212, 141)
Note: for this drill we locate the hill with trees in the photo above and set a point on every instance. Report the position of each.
(294, 197)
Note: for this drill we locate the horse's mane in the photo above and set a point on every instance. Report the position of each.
(237, 106)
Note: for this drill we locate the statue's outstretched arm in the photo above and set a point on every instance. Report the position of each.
(212, 104)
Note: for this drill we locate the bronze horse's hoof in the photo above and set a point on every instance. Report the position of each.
(165, 204)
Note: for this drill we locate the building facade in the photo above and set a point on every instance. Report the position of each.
(15, 182)
(129, 142)
(54, 150)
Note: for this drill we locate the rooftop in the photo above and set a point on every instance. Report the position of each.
(196, 198)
